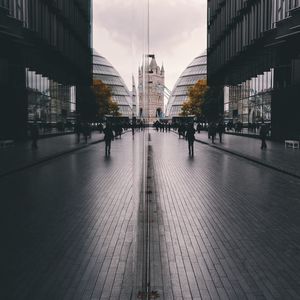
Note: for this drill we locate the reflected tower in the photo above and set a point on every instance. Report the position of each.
(151, 91)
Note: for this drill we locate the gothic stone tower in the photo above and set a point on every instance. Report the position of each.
(151, 91)
(134, 97)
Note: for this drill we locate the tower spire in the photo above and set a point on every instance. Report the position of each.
(162, 69)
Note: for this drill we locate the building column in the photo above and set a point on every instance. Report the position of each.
(13, 96)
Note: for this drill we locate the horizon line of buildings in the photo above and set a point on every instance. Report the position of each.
(47, 66)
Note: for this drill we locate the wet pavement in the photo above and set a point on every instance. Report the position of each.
(221, 227)
(21, 155)
(276, 155)
(227, 228)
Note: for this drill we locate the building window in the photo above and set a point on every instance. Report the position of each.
(50, 103)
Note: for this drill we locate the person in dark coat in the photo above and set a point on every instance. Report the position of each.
(180, 130)
(220, 130)
(190, 136)
(100, 128)
(85, 131)
(212, 131)
(263, 135)
(78, 131)
(34, 132)
(198, 127)
(108, 137)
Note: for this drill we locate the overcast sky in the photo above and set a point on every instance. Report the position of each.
(177, 34)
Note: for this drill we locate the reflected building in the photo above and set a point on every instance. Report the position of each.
(254, 51)
(151, 91)
(104, 71)
(195, 71)
(134, 97)
(45, 63)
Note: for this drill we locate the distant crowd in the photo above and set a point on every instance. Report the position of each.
(185, 130)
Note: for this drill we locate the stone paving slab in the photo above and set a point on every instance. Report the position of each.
(21, 155)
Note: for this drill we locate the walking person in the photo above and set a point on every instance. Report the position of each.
(108, 137)
(78, 131)
(213, 131)
(220, 130)
(100, 128)
(263, 135)
(34, 132)
(85, 131)
(190, 136)
(209, 130)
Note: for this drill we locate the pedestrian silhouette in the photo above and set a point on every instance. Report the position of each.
(78, 131)
(34, 132)
(263, 135)
(220, 130)
(190, 136)
(181, 130)
(86, 131)
(108, 137)
(212, 131)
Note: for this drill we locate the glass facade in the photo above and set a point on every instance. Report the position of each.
(18, 9)
(45, 64)
(253, 50)
(236, 25)
(50, 103)
(281, 9)
(104, 71)
(195, 71)
(250, 101)
(63, 24)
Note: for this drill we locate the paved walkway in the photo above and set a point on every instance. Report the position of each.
(276, 155)
(21, 155)
(221, 227)
(225, 228)
(67, 226)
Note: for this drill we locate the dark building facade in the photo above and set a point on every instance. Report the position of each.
(45, 62)
(254, 50)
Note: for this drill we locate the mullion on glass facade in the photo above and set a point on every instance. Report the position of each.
(256, 42)
(52, 56)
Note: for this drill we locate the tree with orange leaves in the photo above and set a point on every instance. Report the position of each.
(104, 100)
(193, 106)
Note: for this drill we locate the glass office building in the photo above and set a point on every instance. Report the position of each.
(104, 71)
(254, 51)
(195, 71)
(45, 64)
(50, 102)
(250, 101)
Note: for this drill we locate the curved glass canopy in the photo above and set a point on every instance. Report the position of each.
(196, 70)
(104, 71)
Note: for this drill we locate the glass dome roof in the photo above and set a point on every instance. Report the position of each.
(104, 71)
(196, 70)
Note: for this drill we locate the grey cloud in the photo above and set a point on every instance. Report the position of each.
(171, 21)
